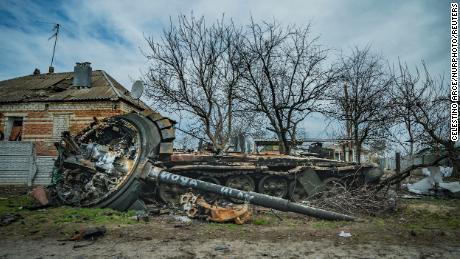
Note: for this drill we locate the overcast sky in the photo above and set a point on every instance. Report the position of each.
(110, 34)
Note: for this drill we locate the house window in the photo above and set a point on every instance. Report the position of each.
(60, 124)
(13, 128)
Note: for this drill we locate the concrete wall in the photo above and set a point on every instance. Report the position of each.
(390, 163)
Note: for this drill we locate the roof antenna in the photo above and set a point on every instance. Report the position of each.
(55, 36)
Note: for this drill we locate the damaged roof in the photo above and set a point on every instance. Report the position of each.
(58, 87)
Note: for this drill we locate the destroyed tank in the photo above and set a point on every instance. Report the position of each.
(283, 176)
(104, 165)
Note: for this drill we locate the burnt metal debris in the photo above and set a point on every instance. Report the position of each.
(197, 207)
(97, 162)
(108, 163)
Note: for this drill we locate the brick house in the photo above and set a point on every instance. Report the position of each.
(37, 108)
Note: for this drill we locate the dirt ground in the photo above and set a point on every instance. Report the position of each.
(423, 228)
(221, 248)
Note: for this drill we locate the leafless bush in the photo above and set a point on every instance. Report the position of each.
(349, 199)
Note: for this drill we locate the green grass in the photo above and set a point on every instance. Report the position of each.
(94, 215)
(63, 214)
(432, 214)
(425, 216)
(261, 222)
(15, 204)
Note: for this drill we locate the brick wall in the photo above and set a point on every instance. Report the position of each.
(42, 123)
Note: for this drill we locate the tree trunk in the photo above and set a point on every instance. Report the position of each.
(229, 113)
(356, 144)
(358, 153)
(455, 164)
(284, 145)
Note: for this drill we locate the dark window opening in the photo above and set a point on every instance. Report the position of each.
(16, 128)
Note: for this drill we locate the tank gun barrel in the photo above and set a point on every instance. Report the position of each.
(158, 174)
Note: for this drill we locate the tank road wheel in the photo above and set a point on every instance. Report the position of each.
(297, 192)
(209, 197)
(170, 193)
(240, 182)
(274, 186)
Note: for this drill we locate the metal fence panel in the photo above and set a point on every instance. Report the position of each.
(45, 166)
(17, 163)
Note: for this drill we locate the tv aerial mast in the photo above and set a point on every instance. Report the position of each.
(56, 29)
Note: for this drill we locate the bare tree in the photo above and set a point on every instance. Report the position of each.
(196, 68)
(284, 76)
(360, 98)
(406, 132)
(429, 105)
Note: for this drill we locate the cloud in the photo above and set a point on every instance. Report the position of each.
(110, 34)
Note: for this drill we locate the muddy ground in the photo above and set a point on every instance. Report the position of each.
(422, 228)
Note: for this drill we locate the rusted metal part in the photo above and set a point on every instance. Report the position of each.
(196, 206)
(40, 194)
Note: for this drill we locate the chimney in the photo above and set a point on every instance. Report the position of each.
(82, 74)
(51, 70)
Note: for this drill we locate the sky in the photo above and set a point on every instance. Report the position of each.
(111, 34)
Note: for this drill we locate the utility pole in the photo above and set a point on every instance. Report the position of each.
(349, 126)
(398, 168)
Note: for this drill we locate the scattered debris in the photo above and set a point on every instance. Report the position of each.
(197, 207)
(182, 219)
(452, 187)
(222, 248)
(446, 171)
(88, 234)
(8, 218)
(433, 184)
(407, 196)
(344, 234)
(141, 216)
(40, 194)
